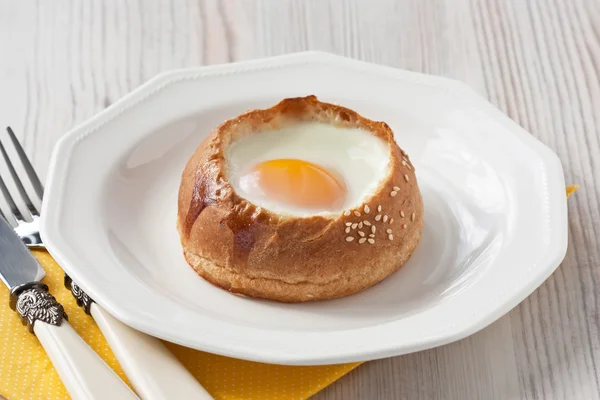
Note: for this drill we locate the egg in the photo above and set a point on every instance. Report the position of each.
(306, 169)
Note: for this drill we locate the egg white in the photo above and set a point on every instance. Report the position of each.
(355, 155)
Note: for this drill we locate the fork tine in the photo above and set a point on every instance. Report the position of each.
(11, 221)
(22, 193)
(15, 212)
(29, 170)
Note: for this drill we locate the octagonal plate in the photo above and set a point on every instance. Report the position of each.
(495, 213)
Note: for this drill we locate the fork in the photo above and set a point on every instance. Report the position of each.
(152, 369)
(83, 372)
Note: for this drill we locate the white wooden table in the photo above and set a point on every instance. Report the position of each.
(62, 61)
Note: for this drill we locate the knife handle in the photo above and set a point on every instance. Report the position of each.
(152, 369)
(82, 371)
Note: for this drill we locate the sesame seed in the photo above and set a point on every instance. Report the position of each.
(388, 230)
(354, 225)
(360, 224)
(412, 217)
(366, 209)
(347, 212)
(367, 223)
(405, 226)
(372, 241)
(349, 239)
(362, 240)
(393, 194)
(402, 214)
(361, 234)
(391, 220)
(357, 213)
(406, 178)
(385, 218)
(373, 229)
(348, 223)
(391, 237)
(372, 235)
(396, 188)
(404, 162)
(377, 217)
(348, 230)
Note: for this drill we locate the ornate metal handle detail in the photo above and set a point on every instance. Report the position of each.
(83, 300)
(33, 302)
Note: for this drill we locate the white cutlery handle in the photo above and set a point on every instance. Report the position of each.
(152, 369)
(83, 373)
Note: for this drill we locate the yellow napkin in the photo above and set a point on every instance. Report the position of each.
(27, 374)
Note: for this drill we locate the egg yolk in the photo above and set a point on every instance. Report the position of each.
(298, 183)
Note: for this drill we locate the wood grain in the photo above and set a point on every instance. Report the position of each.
(537, 60)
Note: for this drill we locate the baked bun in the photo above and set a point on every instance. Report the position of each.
(257, 251)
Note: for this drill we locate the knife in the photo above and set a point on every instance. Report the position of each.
(82, 371)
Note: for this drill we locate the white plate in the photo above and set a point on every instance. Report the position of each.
(495, 213)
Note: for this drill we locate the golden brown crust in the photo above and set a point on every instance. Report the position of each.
(248, 250)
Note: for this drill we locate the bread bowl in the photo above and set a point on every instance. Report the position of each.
(253, 248)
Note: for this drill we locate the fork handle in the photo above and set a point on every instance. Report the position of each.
(83, 373)
(152, 369)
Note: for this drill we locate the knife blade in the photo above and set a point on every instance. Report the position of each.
(17, 265)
